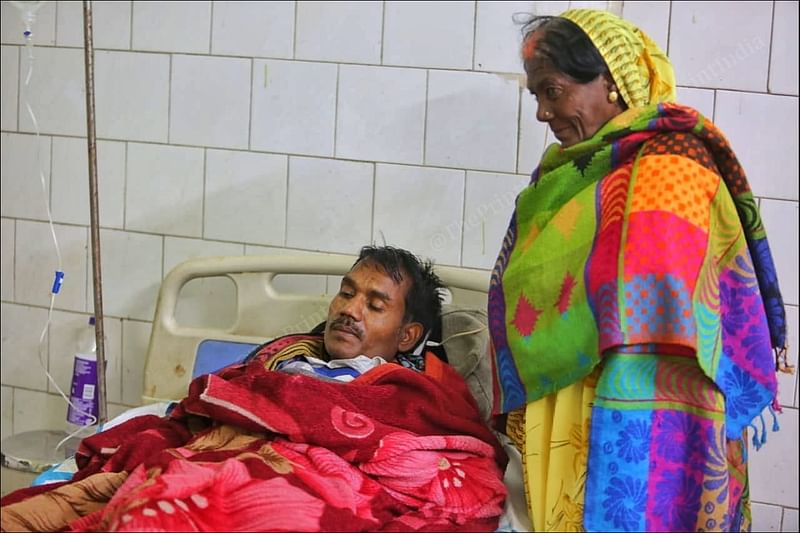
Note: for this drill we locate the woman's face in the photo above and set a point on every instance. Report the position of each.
(574, 111)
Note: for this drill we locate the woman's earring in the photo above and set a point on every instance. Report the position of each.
(613, 96)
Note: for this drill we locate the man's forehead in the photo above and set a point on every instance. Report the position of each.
(373, 266)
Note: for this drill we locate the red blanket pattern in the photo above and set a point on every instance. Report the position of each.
(392, 450)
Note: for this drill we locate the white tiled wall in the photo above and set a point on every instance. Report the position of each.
(57, 89)
(257, 29)
(727, 59)
(751, 121)
(135, 336)
(330, 204)
(34, 265)
(275, 127)
(767, 517)
(70, 181)
(497, 36)
(472, 121)
(171, 26)
(488, 197)
(44, 30)
(783, 69)
(9, 70)
(23, 164)
(210, 101)
(111, 20)
(132, 272)
(287, 97)
(7, 410)
(443, 34)
(245, 197)
(430, 223)
(380, 114)
(164, 191)
(346, 32)
(789, 520)
(652, 16)
(132, 95)
(7, 259)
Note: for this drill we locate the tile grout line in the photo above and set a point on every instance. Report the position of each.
(203, 197)
(474, 31)
(310, 156)
(14, 263)
(169, 103)
(294, 33)
(286, 208)
(19, 87)
(125, 186)
(669, 25)
(250, 106)
(336, 110)
(130, 37)
(211, 29)
(425, 119)
(55, 23)
(383, 30)
(49, 191)
(275, 57)
(769, 52)
(372, 207)
(355, 63)
(714, 105)
(520, 95)
(163, 255)
(463, 216)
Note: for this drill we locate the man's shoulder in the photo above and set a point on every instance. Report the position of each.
(274, 351)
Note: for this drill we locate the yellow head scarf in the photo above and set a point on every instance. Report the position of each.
(641, 70)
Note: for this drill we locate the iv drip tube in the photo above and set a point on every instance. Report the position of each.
(93, 211)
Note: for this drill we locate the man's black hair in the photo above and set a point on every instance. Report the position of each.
(423, 302)
(566, 46)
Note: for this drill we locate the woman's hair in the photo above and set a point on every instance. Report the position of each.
(564, 44)
(423, 298)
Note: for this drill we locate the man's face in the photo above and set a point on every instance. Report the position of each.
(366, 316)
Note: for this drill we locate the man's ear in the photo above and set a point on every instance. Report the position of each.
(409, 336)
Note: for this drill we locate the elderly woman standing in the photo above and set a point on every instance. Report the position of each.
(634, 306)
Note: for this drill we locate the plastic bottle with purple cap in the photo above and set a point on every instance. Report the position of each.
(84, 407)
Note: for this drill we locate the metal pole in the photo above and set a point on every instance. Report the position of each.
(94, 217)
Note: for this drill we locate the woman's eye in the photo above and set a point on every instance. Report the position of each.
(552, 93)
(345, 294)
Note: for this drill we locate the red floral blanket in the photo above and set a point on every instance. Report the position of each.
(252, 449)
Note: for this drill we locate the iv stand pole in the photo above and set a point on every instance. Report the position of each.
(94, 217)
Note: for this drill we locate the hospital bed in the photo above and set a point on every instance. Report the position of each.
(179, 352)
(176, 353)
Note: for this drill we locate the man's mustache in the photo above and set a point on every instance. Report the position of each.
(345, 323)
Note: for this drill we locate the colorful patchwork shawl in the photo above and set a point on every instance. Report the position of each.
(645, 238)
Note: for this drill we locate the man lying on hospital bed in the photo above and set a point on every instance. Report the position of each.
(350, 433)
